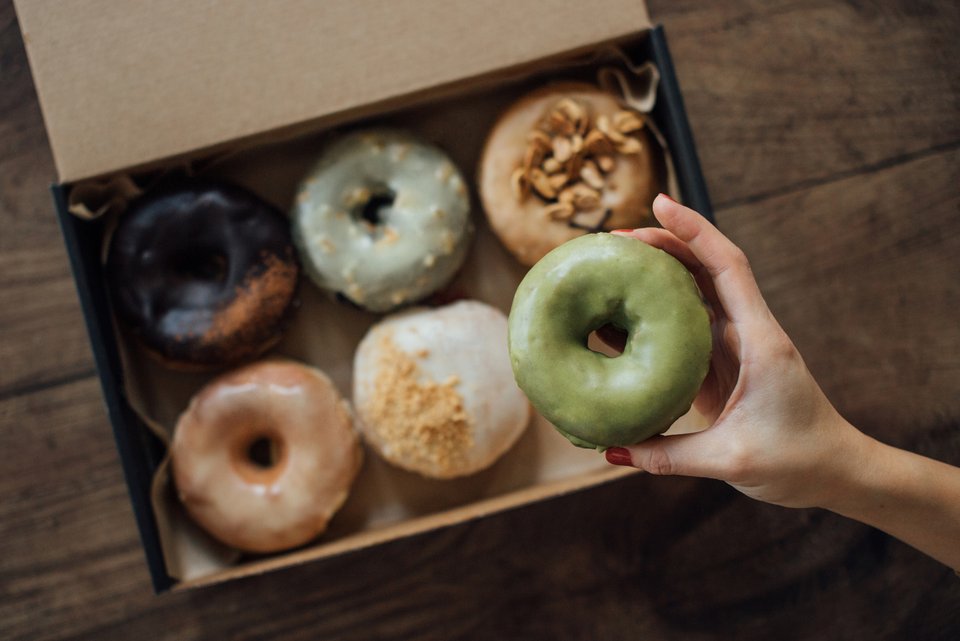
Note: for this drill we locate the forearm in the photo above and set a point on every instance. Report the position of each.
(910, 497)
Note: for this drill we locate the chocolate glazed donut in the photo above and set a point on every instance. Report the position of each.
(203, 274)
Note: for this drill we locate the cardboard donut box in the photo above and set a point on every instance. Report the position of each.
(134, 89)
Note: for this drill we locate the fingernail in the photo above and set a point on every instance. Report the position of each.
(668, 198)
(619, 456)
(621, 231)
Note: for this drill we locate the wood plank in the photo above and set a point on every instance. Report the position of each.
(863, 274)
(784, 94)
(42, 336)
(66, 526)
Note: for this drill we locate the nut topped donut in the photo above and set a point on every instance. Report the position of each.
(383, 219)
(563, 161)
(265, 455)
(433, 390)
(203, 273)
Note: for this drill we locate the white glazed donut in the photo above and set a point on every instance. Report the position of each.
(383, 219)
(264, 455)
(434, 391)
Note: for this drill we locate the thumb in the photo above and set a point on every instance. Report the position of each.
(683, 455)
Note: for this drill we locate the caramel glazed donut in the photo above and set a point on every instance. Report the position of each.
(583, 285)
(265, 455)
(382, 220)
(434, 392)
(204, 274)
(563, 161)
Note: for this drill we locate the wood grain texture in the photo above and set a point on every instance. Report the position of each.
(874, 307)
(42, 337)
(784, 95)
(830, 136)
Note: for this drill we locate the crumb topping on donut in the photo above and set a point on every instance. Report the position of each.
(569, 154)
(421, 420)
(389, 236)
(400, 152)
(445, 171)
(259, 294)
(358, 196)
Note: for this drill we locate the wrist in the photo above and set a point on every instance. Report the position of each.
(858, 476)
(913, 498)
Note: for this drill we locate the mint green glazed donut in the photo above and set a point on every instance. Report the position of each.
(594, 400)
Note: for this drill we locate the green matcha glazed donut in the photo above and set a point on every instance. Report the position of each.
(594, 400)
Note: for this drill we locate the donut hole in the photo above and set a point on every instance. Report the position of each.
(608, 340)
(200, 264)
(372, 210)
(264, 452)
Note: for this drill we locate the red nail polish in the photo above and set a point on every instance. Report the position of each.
(669, 198)
(627, 231)
(618, 456)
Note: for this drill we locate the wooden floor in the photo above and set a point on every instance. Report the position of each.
(830, 137)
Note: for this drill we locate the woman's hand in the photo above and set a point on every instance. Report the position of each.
(774, 435)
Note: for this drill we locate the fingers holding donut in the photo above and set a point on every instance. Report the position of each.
(724, 361)
(703, 454)
(720, 267)
(683, 223)
(668, 242)
(773, 429)
(727, 265)
(742, 310)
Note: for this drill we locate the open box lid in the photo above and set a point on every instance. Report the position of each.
(125, 84)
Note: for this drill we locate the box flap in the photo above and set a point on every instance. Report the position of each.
(123, 84)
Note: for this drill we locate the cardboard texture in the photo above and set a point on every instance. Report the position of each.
(384, 501)
(122, 84)
(188, 86)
